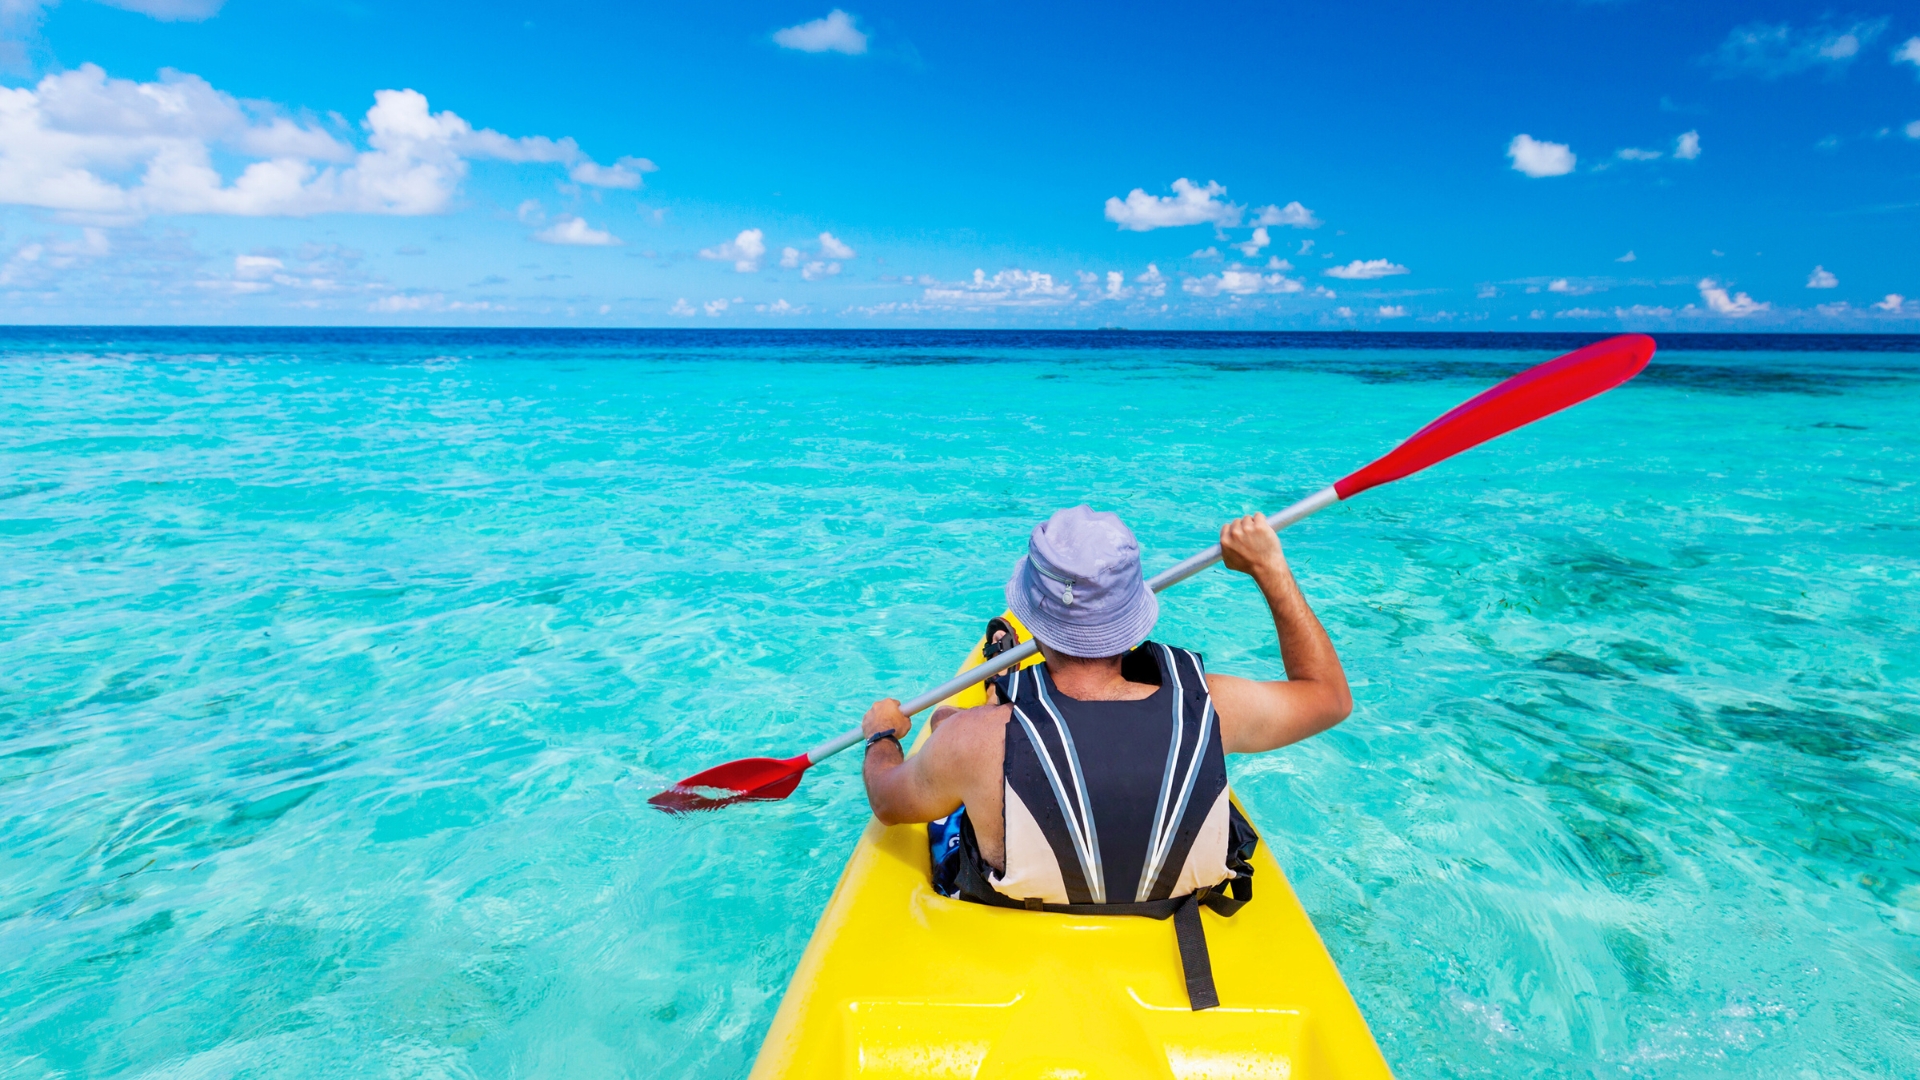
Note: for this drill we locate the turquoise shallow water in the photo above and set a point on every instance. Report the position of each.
(338, 667)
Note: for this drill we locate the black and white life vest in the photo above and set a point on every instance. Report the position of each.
(1113, 807)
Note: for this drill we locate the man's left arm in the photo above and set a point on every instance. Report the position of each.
(902, 789)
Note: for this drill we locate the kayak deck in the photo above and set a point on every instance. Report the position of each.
(899, 981)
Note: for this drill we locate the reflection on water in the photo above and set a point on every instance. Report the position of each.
(339, 667)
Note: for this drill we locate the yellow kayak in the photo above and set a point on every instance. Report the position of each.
(900, 981)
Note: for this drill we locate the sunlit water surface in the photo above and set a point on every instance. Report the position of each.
(338, 668)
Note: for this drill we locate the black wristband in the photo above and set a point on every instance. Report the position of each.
(882, 736)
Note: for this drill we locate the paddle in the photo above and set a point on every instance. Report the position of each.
(1526, 397)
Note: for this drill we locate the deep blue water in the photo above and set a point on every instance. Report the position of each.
(338, 665)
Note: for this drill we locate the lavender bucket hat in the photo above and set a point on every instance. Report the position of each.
(1079, 589)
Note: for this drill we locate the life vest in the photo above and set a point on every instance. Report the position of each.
(1112, 808)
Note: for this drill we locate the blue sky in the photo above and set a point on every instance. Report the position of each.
(1531, 165)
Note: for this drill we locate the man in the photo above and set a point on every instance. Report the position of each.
(1098, 776)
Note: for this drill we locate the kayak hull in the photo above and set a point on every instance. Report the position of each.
(901, 982)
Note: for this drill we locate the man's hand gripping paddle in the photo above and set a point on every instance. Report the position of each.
(1528, 396)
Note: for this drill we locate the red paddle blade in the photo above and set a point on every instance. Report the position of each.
(757, 779)
(1534, 393)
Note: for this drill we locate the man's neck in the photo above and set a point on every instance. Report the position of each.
(1092, 680)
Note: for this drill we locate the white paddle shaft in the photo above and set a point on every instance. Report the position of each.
(1172, 575)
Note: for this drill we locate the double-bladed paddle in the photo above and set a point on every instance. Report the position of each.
(1526, 397)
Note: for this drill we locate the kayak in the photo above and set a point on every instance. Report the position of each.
(901, 982)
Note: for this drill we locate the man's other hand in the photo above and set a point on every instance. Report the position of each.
(1250, 546)
(886, 716)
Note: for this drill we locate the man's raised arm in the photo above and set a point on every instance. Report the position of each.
(1257, 716)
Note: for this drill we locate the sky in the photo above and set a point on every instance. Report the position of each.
(1549, 164)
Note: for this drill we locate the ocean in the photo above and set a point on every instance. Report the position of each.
(336, 668)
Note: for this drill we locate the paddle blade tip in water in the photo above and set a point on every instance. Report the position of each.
(1537, 392)
(746, 780)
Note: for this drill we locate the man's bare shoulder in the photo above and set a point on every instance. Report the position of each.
(966, 734)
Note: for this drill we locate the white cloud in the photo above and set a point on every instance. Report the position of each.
(256, 266)
(576, 232)
(834, 33)
(681, 307)
(816, 270)
(1687, 146)
(743, 251)
(1152, 282)
(1253, 245)
(1632, 153)
(1537, 158)
(1568, 288)
(64, 140)
(790, 258)
(1834, 310)
(1772, 50)
(406, 302)
(531, 212)
(1908, 53)
(1116, 287)
(1392, 311)
(1189, 204)
(1628, 257)
(1913, 130)
(1206, 253)
(1275, 262)
(715, 307)
(1344, 312)
(1642, 311)
(1822, 278)
(781, 307)
(1367, 271)
(1582, 313)
(831, 248)
(1008, 288)
(1238, 282)
(1893, 303)
(1486, 292)
(1738, 305)
(1292, 214)
(624, 173)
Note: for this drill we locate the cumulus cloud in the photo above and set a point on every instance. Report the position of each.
(831, 248)
(1238, 282)
(715, 307)
(1292, 214)
(1537, 158)
(790, 258)
(1008, 288)
(1392, 311)
(1773, 50)
(1569, 288)
(1190, 204)
(575, 231)
(1736, 306)
(1358, 270)
(681, 307)
(1628, 257)
(1253, 245)
(816, 270)
(743, 251)
(1893, 303)
(1687, 146)
(1822, 278)
(1152, 282)
(781, 307)
(1909, 53)
(66, 141)
(1633, 153)
(624, 173)
(833, 33)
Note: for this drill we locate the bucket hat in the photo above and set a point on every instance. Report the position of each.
(1079, 588)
